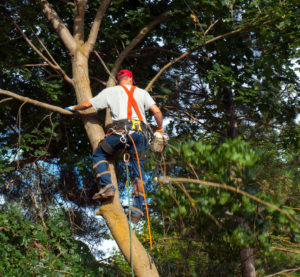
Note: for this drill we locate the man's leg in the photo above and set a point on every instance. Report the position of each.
(104, 151)
(137, 168)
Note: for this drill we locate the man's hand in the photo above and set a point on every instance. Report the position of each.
(160, 133)
(70, 109)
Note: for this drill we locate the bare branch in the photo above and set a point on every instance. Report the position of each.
(78, 30)
(96, 25)
(284, 271)
(98, 80)
(194, 17)
(135, 41)
(224, 186)
(105, 67)
(43, 105)
(56, 270)
(150, 49)
(22, 163)
(68, 3)
(6, 99)
(39, 211)
(187, 53)
(58, 25)
(57, 66)
(26, 38)
(211, 26)
(35, 65)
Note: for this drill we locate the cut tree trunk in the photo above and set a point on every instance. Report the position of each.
(113, 213)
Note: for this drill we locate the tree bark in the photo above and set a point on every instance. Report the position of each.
(247, 262)
(246, 254)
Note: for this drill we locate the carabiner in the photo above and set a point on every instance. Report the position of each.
(123, 139)
(126, 157)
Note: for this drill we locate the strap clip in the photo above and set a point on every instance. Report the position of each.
(126, 157)
(136, 125)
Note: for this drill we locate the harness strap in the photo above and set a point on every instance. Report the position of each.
(102, 173)
(136, 210)
(132, 102)
(100, 162)
(107, 148)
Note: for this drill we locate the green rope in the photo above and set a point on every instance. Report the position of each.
(129, 212)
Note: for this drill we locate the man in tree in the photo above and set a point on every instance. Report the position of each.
(128, 131)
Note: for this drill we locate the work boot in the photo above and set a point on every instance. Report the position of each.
(106, 193)
(136, 214)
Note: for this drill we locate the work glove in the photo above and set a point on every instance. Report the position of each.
(159, 141)
(160, 133)
(70, 109)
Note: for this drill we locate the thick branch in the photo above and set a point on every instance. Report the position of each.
(58, 25)
(95, 28)
(135, 41)
(42, 104)
(189, 52)
(224, 186)
(78, 31)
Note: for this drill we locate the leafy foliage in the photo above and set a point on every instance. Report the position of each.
(209, 225)
(28, 249)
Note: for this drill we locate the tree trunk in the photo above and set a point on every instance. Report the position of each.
(113, 213)
(246, 254)
(247, 262)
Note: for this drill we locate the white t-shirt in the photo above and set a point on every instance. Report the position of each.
(116, 99)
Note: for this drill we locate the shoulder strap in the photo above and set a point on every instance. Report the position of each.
(132, 102)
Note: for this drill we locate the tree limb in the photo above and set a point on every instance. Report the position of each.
(78, 30)
(284, 271)
(26, 38)
(224, 186)
(187, 53)
(105, 67)
(58, 25)
(6, 99)
(56, 65)
(42, 104)
(96, 25)
(135, 41)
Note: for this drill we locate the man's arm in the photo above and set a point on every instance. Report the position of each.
(81, 106)
(157, 115)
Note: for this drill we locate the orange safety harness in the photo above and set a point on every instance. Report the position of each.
(132, 103)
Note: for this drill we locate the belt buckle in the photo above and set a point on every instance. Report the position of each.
(136, 125)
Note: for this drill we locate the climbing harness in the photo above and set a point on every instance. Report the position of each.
(126, 161)
(124, 128)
